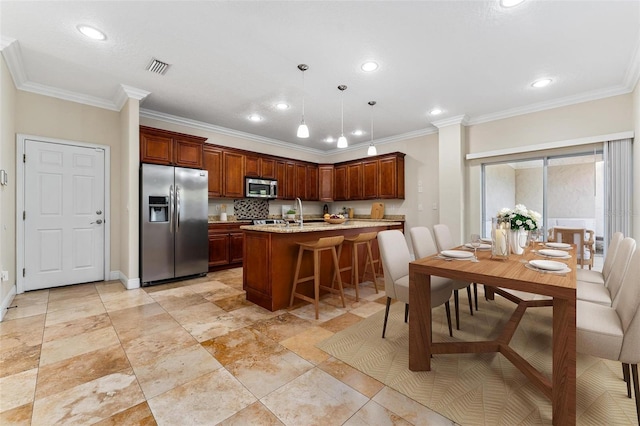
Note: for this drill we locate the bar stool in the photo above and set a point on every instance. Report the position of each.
(316, 247)
(361, 239)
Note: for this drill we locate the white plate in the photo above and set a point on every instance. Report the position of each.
(548, 265)
(457, 254)
(486, 240)
(545, 271)
(554, 253)
(481, 247)
(558, 245)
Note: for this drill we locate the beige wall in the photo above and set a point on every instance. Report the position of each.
(55, 118)
(601, 117)
(129, 212)
(8, 192)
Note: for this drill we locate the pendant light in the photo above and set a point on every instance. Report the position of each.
(342, 141)
(372, 148)
(303, 130)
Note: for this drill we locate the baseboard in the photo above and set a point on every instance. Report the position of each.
(114, 275)
(6, 302)
(129, 283)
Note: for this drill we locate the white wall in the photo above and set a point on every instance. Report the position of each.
(636, 163)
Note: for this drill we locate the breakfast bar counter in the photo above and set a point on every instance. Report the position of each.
(270, 255)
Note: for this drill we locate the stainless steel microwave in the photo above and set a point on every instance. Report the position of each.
(260, 188)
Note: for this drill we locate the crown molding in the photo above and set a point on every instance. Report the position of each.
(13, 59)
(458, 120)
(127, 92)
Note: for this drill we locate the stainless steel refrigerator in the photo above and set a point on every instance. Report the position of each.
(173, 223)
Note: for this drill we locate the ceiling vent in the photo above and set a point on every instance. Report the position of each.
(157, 67)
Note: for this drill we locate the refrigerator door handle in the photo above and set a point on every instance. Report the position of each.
(171, 209)
(177, 208)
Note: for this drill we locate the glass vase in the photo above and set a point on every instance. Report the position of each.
(500, 230)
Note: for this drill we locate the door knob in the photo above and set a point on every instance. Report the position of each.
(99, 221)
(99, 212)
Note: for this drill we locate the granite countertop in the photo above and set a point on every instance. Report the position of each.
(386, 218)
(319, 226)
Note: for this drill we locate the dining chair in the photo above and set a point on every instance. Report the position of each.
(577, 236)
(444, 241)
(607, 293)
(599, 277)
(395, 256)
(613, 332)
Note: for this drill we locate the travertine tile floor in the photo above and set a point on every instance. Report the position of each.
(186, 353)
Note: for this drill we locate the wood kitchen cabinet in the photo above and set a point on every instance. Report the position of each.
(370, 178)
(300, 173)
(226, 244)
(312, 182)
(340, 183)
(212, 161)
(234, 173)
(159, 146)
(268, 168)
(325, 182)
(253, 165)
(391, 176)
(354, 181)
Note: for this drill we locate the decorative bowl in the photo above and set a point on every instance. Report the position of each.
(336, 221)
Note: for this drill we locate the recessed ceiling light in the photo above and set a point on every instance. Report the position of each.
(255, 117)
(282, 106)
(543, 82)
(369, 66)
(510, 3)
(91, 32)
(357, 132)
(435, 111)
(329, 140)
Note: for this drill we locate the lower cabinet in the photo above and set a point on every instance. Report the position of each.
(226, 243)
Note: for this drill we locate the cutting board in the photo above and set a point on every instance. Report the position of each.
(377, 210)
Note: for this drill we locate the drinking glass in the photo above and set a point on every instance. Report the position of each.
(475, 243)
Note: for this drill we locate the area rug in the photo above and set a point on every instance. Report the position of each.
(482, 389)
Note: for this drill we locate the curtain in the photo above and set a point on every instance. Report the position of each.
(618, 160)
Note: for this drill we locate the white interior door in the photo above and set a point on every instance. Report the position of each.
(64, 214)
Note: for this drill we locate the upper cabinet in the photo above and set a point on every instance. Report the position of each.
(378, 177)
(391, 176)
(325, 182)
(233, 166)
(159, 146)
(212, 158)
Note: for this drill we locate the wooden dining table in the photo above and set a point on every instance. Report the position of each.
(496, 275)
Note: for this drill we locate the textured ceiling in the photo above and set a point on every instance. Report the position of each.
(230, 59)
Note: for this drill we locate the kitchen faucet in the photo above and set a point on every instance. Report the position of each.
(300, 209)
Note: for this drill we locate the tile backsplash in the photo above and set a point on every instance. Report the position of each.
(251, 208)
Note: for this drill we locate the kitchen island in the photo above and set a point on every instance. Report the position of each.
(271, 253)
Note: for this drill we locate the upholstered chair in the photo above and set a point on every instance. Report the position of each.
(613, 332)
(444, 241)
(599, 277)
(395, 256)
(607, 293)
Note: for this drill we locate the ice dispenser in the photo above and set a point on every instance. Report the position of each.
(158, 209)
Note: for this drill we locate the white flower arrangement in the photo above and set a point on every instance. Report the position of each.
(521, 218)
